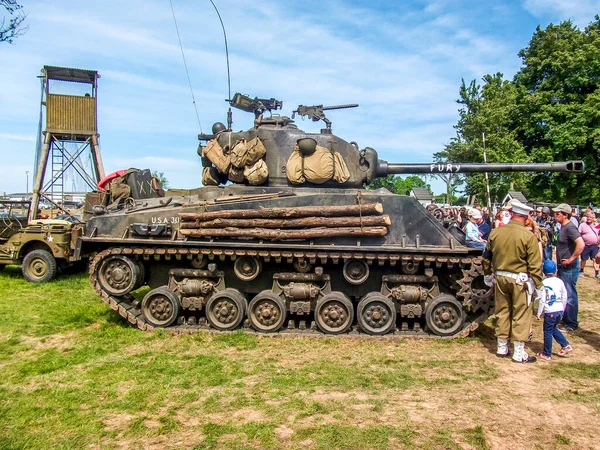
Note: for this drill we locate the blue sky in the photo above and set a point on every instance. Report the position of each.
(402, 61)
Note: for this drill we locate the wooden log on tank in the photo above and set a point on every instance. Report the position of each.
(263, 233)
(299, 211)
(304, 222)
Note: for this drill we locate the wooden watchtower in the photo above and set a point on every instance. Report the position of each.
(69, 137)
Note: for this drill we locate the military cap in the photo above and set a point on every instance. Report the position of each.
(520, 208)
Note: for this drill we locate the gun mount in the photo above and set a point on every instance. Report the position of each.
(316, 112)
(257, 105)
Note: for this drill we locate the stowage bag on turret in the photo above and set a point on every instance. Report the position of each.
(215, 154)
(257, 173)
(246, 153)
(321, 166)
(236, 174)
(210, 176)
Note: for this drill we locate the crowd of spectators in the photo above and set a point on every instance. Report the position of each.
(477, 222)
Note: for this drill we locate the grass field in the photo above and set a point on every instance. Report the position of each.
(73, 374)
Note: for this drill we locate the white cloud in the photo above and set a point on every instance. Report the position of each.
(581, 12)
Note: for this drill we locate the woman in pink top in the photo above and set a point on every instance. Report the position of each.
(589, 233)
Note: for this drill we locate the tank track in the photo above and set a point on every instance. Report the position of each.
(129, 309)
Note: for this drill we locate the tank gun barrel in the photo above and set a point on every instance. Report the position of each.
(384, 168)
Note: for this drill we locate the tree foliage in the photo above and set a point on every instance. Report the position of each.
(15, 27)
(548, 112)
(162, 179)
(399, 185)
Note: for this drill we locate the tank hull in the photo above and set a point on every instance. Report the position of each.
(417, 278)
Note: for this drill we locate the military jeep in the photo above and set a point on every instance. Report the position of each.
(41, 247)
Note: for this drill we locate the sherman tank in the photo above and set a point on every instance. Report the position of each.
(284, 238)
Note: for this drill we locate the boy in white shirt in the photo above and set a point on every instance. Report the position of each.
(552, 304)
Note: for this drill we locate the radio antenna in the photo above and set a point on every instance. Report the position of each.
(229, 116)
(186, 67)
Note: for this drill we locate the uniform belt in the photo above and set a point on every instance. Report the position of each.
(504, 273)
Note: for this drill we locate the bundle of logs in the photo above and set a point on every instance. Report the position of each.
(303, 222)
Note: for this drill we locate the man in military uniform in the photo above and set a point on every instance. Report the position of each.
(512, 254)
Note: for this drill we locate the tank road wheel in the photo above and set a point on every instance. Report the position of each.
(376, 314)
(39, 266)
(247, 268)
(226, 309)
(160, 307)
(356, 271)
(267, 312)
(118, 275)
(334, 313)
(445, 315)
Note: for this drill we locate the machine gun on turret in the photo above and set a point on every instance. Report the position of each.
(257, 105)
(316, 112)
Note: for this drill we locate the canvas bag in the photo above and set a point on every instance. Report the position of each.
(246, 153)
(257, 173)
(319, 167)
(210, 176)
(214, 153)
(236, 174)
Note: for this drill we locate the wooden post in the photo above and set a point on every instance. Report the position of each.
(299, 211)
(304, 222)
(263, 233)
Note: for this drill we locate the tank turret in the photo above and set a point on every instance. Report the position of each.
(284, 239)
(280, 137)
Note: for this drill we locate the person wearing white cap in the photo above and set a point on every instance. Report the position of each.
(473, 236)
(512, 255)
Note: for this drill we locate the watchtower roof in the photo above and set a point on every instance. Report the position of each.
(70, 74)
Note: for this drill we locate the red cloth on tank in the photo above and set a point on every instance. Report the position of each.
(109, 177)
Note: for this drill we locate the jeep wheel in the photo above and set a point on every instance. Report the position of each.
(39, 266)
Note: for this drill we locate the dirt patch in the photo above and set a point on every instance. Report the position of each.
(283, 432)
(117, 422)
(322, 395)
(238, 417)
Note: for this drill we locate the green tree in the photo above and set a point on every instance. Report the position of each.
(549, 112)
(488, 110)
(560, 102)
(15, 27)
(399, 185)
